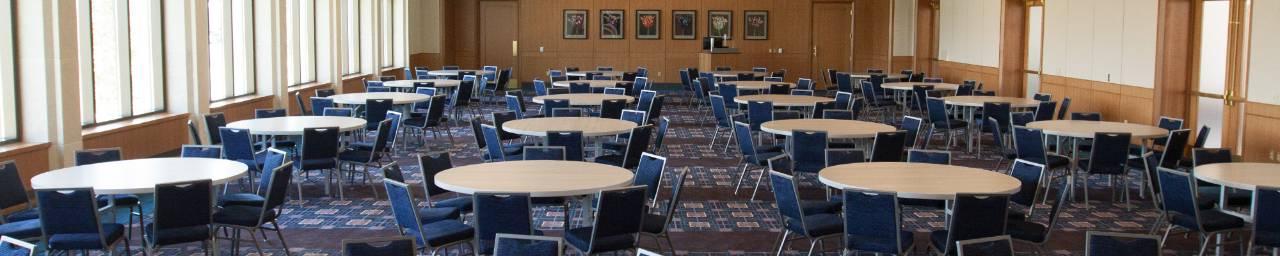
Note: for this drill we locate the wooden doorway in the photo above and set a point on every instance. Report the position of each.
(832, 45)
(499, 23)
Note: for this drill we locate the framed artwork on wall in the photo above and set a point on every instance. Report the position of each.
(611, 24)
(648, 25)
(575, 24)
(720, 24)
(683, 24)
(755, 25)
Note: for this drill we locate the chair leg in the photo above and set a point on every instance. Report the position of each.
(757, 187)
(742, 174)
(670, 246)
(782, 241)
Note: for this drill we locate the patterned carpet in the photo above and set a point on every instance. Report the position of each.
(710, 220)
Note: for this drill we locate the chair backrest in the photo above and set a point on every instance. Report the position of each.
(325, 92)
(320, 143)
(965, 89)
(619, 213)
(1110, 153)
(1202, 137)
(182, 204)
(521, 245)
(507, 213)
(1203, 156)
(69, 211)
(1266, 202)
(1169, 123)
(728, 92)
(566, 112)
(392, 171)
(579, 87)
(636, 144)
(1042, 97)
(804, 84)
(1174, 145)
(1087, 116)
(269, 112)
(571, 141)
(383, 138)
(1021, 118)
(14, 247)
(539, 87)
(759, 112)
(742, 133)
(977, 216)
(788, 199)
(867, 86)
(871, 221)
(649, 174)
(937, 108)
(494, 144)
(912, 126)
(615, 91)
(1044, 111)
(1000, 111)
(212, 122)
(806, 93)
(273, 160)
(844, 100)
(12, 192)
(388, 246)
(302, 106)
(544, 153)
(663, 124)
(405, 210)
(1097, 243)
(778, 88)
(844, 83)
(237, 144)
(645, 100)
(837, 114)
(719, 112)
(929, 156)
(1030, 174)
(347, 112)
(195, 132)
(1178, 196)
(987, 246)
(477, 134)
(1066, 104)
(635, 116)
(513, 105)
(99, 155)
(318, 105)
(376, 111)
(551, 104)
(431, 164)
(1029, 144)
(932, 80)
(201, 151)
(501, 118)
(888, 146)
(844, 156)
(809, 150)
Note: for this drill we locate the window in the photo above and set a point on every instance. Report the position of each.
(230, 49)
(388, 32)
(124, 52)
(8, 85)
(351, 33)
(302, 41)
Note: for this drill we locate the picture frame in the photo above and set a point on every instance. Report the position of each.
(720, 24)
(649, 24)
(575, 23)
(684, 24)
(612, 24)
(755, 25)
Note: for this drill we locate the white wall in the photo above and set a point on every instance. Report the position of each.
(904, 27)
(1101, 40)
(1264, 57)
(969, 32)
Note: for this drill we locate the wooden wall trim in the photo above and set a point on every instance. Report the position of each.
(242, 110)
(151, 138)
(1116, 102)
(956, 72)
(1013, 42)
(1174, 54)
(1260, 121)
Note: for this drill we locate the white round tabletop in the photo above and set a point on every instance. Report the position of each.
(907, 86)
(590, 126)
(733, 73)
(293, 125)
(835, 128)
(1086, 129)
(604, 73)
(977, 101)
(1248, 176)
(593, 83)
(780, 100)
(455, 72)
(584, 99)
(139, 176)
(894, 76)
(918, 180)
(540, 178)
(409, 83)
(397, 98)
(757, 85)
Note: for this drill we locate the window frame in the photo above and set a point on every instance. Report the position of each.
(351, 30)
(294, 16)
(9, 81)
(88, 115)
(230, 35)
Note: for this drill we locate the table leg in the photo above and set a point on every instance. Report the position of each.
(970, 115)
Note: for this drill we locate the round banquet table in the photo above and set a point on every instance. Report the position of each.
(907, 86)
(455, 72)
(783, 100)
(731, 73)
(1086, 129)
(757, 85)
(918, 180)
(593, 83)
(439, 83)
(540, 178)
(977, 101)
(294, 125)
(584, 99)
(894, 76)
(139, 176)
(590, 126)
(1248, 176)
(604, 73)
(836, 129)
(397, 98)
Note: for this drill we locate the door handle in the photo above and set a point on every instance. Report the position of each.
(815, 50)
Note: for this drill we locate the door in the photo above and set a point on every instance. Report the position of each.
(498, 34)
(1216, 102)
(832, 47)
(1035, 46)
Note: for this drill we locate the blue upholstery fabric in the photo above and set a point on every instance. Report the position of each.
(618, 219)
(202, 152)
(86, 241)
(24, 214)
(398, 246)
(70, 220)
(1266, 231)
(1210, 220)
(817, 225)
(636, 144)
(1030, 146)
(649, 174)
(581, 238)
(1029, 174)
(12, 193)
(931, 157)
(21, 229)
(433, 214)
(269, 113)
(759, 112)
(494, 145)
(463, 203)
(808, 150)
(375, 112)
(1106, 245)
(1109, 154)
(999, 111)
(244, 199)
(10, 249)
(502, 213)
(1001, 247)
(212, 123)
(974, 216)
(937, 109)
(93, 156)
(177, 235)
(246, 216)
(1044, 112)
(872, 221)
(446, 231)
(319, 148)
(318, 105)
(237, 145)
(888, 146)
(182, 213)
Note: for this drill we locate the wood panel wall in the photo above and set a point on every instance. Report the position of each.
(244, 109)
(872, 35)
(31, 158)
(1116, 102)
(926, 37)
(1260, 142)
(956, 72)
(142, 137)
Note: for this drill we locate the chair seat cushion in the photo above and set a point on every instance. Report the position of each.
(317, 164)
(820, 206)
(447, 231)
(433, 214)
(1026, 231)
(463, 203)
(873, 244)
(86, 241)
(242, 199)
(761, 158)
(359, 156)
(120, 200)
(246, 216)
(581, 238)
(21, 215)
(614, 160)
(950, 124)
(21, 229)
(654, 223)
(1234, 196)
(1054, 161)
(768, 148)
(177, 235)
(818, 225)
(420, 122)
(1211, 220)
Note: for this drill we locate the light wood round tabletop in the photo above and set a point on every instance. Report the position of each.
(919, 180)
(409, 83)
(293, 125)
(1086, 129)
(757, 85)
(139, 176)
(780, 100)
(977, 101)
(584, 99)
(541, 178)
(1248, 176)
(455, 72)
(590, 126)
(397, 98)
(593, 83)
(907, 86)
(836, 129)
(893, 76)
(733, 73)
(603, 73)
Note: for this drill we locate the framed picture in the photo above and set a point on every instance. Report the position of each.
(682, 24)
(575, 24)
(756, 25)
(611, 22)
(647, 24)
(720, 24)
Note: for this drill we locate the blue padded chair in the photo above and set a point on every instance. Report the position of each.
(386, 246)
(912, 126)
(973, 216)
(371, 83)
(477, 132)
(619, 215)
(183, 214)
(611, 108)
(566, 112)
(1108, 157)
(1029, 143)
(1001, 112)
(796, 220)
(325, 92)
(804, 84)
(540, 87)
(319, 152)
(1208, 191)
(502, 213)
(1044, 111)
(1174, 144)
(27, 229)
(1098, 243)
(1062, 111)
(803, 93)
(270, 161)
(580, 87)
(919, 96)
(808, 151)
(872, 223)
(635, 116)
(759, 112)
(929, 156)
(69, 222)
(254, 219)
(201, 151)
(431, 164)
(434, 235)
(723, 121)
(318, 105)
(987, 246)
(655, 109)
(368, 158)
(1001, 148)
(515, 105)
(780, 89)
(837, 114)
(751, 153)
(396, 118)
(375, 112)
(1042, 97)
(433, 120)
(1181, 209)
(1266, 231)
(550, 104)
(13, 195)
(1021, 118)
(645, 99)
(238, 146)
(844, 83)
(500, 118)
(839, 156)
(939, 120)
(427, 214)
(571, 141)
(496, 150)
(888, 146)
(14, 247)
(728, 92)
(637, 142)
(649, 174)
(1031, 175)
(544, 153)
(523, 245)
(346, 112)
(655, 225)
(1086, 116)
(269, 112)
(659, 140)
(102, 155)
